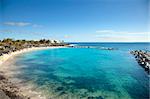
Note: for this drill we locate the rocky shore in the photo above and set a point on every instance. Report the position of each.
(143, 59)
(8, 90)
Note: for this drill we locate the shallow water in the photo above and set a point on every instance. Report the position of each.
(80, 73)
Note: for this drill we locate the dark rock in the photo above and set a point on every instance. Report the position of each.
(2, 77)
(91, 97)
(59, 88)
(63, 92)
(8, 89)
(3, 95)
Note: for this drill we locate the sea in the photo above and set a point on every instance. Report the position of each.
(86, 73)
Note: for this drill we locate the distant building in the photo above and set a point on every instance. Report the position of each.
(56, 41)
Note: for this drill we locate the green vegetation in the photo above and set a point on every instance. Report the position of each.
(10, 45)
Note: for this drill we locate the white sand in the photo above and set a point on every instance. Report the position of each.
(5, 57)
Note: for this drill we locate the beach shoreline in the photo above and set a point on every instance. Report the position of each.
(11, 87)
(5, 57)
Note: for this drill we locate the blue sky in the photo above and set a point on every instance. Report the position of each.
(75, 20)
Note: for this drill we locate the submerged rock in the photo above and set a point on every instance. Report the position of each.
(3, 95)
(92, 97)
(59, 88)
(8, 90)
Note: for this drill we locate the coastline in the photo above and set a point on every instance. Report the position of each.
(5, 57)
(11, 87)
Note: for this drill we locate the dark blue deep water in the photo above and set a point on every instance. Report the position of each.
(83, 73)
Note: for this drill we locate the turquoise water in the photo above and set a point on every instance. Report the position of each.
(80, 73)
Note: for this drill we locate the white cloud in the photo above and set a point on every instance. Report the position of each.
(125, 39)
(104, 31)
(122, 36)
(36, 25)
(6, 31)
(20, 24)
(66, 36)
(119, 32)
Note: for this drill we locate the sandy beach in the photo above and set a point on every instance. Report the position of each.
(5, 57)
(12, 86)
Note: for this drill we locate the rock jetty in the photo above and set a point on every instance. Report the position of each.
(101, 48)
(143, 59)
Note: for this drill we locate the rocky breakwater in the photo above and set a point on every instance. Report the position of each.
(143, 59)
(101, 48)
(8, 90)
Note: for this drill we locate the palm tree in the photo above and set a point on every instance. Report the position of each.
(55, 41)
